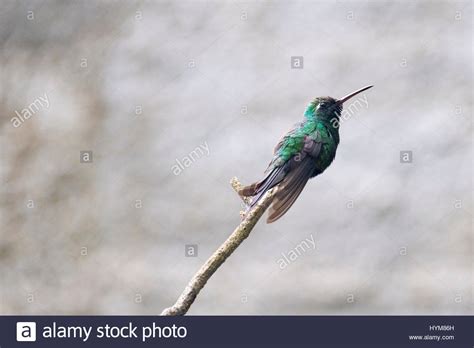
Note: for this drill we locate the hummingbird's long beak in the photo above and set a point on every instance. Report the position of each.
(349, 96)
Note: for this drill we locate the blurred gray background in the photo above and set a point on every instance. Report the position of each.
(143, 84)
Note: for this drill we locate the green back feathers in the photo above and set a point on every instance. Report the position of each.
(295, 142)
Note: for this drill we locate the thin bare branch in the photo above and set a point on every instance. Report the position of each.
(242, 231)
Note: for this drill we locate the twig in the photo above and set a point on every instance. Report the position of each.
(242, 231)
(236, 185)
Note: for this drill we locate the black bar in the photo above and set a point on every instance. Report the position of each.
(241, 331)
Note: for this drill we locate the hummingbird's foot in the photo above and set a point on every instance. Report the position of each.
(244, 213)
(246, 200)
(237, 186)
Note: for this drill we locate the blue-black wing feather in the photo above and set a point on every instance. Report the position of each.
(291, 176)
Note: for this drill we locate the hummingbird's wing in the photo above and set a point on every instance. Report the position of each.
(301, 169)
(258, 189)
(276, 170)
(284, 139)
(290, 168)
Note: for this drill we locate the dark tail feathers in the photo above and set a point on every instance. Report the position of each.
(258, 189)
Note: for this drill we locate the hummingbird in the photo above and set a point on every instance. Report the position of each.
(302, 153)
